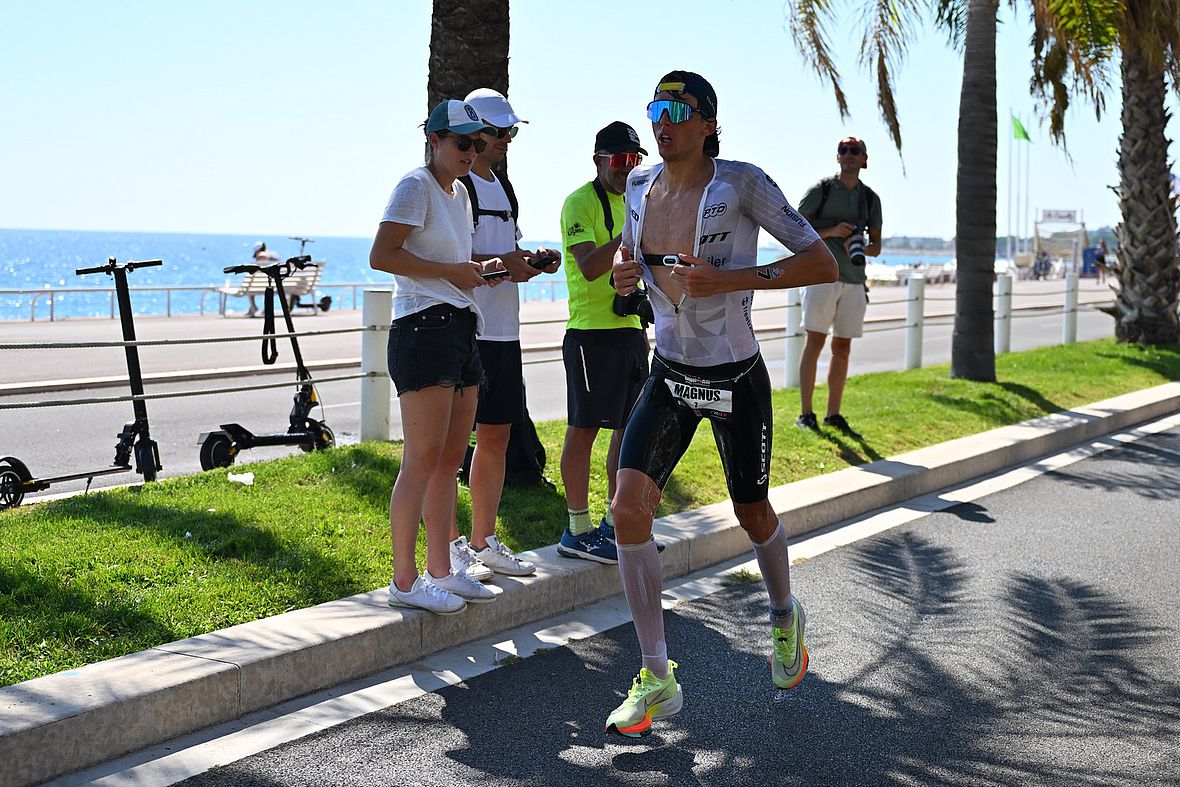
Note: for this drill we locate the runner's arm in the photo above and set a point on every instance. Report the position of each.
(813, 265)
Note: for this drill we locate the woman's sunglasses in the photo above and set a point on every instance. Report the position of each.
(678, 111)
(464, 143)
(500, 133)
(623, 160)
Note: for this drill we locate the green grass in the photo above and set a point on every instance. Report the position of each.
(111, 573)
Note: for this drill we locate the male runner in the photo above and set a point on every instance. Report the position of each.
(501, 400)
(692, 228)
(605, 354)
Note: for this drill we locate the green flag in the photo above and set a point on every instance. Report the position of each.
(1018, 131)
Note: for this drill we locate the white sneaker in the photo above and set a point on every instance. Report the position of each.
(467, 588)
(498, 558)
(424, 594)
(464, 561)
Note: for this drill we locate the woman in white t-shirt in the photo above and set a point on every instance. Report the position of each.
(424, 240)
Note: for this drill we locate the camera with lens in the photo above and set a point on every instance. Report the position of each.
(636, 303)
(856, 246)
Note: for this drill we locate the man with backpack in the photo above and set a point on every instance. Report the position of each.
(841, 209)
(495, 233)
(605, 352)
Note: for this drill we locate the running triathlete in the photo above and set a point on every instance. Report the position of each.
(701, 275)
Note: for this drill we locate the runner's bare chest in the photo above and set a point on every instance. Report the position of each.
(669, 227)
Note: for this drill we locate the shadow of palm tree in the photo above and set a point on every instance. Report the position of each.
(1032, 396)
(1111, 472)
(1163, 359)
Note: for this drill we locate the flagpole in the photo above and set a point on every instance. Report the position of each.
(1027, 196)
(1019, 243)
(1011, 140)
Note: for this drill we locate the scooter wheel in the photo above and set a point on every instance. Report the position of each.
(217, 451)
(11, 488)
(324, 440)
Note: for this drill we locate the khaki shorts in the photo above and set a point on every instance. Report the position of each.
(839, 306)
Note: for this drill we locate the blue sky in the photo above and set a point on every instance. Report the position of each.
(278, 118)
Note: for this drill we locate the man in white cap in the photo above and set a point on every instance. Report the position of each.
(495, 233)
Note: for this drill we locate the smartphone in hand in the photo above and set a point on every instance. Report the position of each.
(492, 275)
(544, 259)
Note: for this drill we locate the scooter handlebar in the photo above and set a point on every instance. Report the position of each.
(112, 265)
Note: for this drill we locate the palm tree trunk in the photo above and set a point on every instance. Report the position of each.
(1148, 275)
(972, 351)
(468, 48)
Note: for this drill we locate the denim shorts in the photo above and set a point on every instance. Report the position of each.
(435, 346)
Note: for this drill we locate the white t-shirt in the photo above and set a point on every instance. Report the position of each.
(500, 305)
(442, 233)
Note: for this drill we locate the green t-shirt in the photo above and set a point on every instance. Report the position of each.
(843, 204)
(582, 221)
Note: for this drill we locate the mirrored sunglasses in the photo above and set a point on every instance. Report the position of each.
(623, 160)
(500, 133)
(464, 143)
(678, 111)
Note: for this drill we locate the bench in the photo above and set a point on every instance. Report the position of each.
(299, 283)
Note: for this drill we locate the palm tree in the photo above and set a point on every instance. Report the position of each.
(1148, 34)
(468, 49)
(971, 25)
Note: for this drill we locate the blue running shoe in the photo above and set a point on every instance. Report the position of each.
(607, 531)
(590, 546)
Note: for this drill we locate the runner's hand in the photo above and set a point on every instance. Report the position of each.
(625, 272)
(697, 278)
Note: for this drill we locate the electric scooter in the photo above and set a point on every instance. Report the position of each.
(221, 447)
(15, 479)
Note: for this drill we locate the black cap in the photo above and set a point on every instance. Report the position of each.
(618, 137)
(678, 82)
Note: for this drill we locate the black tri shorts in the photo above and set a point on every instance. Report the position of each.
(435, 346)
(735, 397)
(501, 399)
(604, 372)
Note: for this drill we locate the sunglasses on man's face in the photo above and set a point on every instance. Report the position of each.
(623, 160)
(464, 143)
(678, 111)
(845, 150)
(500, 133)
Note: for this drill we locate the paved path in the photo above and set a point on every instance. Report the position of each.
(1025, 638)
(68, 439)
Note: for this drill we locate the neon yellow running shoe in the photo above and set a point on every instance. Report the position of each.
(649, 698)
(788, 663)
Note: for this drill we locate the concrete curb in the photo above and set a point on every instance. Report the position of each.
(62, 722)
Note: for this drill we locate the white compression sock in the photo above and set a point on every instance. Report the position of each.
(776, 573)
(639, 567)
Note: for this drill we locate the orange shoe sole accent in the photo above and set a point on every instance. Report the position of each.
(636, 730)
(802, 672)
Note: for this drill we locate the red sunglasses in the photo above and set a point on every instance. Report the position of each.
(623, 160)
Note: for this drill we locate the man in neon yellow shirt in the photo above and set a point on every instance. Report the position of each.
(605, 354)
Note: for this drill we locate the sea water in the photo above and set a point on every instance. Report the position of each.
(38, 261)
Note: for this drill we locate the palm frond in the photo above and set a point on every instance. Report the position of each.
(808, 19)
(951, 17)
(883, 50)
(1074, 44)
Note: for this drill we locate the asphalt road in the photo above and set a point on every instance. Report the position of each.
(64, 440)
(1027, 638)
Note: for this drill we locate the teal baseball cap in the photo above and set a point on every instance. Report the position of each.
(457, 116)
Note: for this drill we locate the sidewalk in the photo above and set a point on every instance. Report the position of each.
(62, 722)
(75, 369)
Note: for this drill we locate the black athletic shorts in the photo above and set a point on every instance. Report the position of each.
(501, 399)
(735, 397)
(604, 372)
(435, 346)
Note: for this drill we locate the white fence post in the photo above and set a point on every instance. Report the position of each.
(1069, 326)
(1003, 318)
(915, 315)
(377, 309)
(794, 340)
